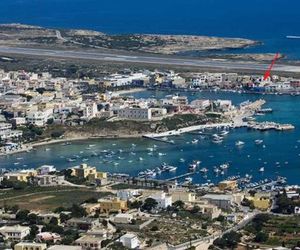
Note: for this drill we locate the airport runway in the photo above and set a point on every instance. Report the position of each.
(159, 60)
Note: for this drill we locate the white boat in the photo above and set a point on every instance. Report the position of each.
(47, 149)
(262, 169)
(258, 142)
(217, 170)
(217, 141)
(196, 162)
(204, 170)
(168, 168)
(141, 159)
(240, 143)
(161, 154)
(195, 141)
(224, 166)
(224, 132)
(182, 160)
(192, 167)
(188, 179)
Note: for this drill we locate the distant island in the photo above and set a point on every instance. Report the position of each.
(35, 36)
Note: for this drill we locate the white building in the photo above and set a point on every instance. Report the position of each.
(39, 118)
(123, 218)
(90, 111)
(118, 80)
(127, 194)
(130, 240)
(141, 113)
(49, 180)
(89, 242)
(162, 199)
(6, 131)
(200, 103)
(15, 233)
(135, 113)
(46, 169)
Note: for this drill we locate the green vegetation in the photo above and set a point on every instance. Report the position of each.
(284, 205)
(149, 204)
(274, 230)
(228, 240)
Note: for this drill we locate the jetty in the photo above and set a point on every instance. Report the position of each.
(158, 139)
(188, 129)
(181, 176)
(263, 126)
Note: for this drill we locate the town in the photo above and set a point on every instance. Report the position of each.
(39, 107)
(82, 207)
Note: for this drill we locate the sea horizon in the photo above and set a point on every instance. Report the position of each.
(210, 18)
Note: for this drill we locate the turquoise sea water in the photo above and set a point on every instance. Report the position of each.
(269, 21)
(281, 156)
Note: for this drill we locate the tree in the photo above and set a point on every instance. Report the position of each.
(77, 211)
(91, 200)
(261, 237)
(53, 221)
(149, 204)
(64, 217)
(32, 218)
(179, 204)
(135, 204)
(22, 215)
(33, 232)
(228, 240)
(59, 209)
(195, 210)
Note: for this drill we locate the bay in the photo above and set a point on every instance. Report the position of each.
(280, 156)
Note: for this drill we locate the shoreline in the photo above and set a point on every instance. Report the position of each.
(32, 146)
(129, 91)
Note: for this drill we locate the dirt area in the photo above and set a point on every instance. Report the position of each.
(47, 199)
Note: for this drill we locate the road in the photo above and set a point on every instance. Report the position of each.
(158, 60)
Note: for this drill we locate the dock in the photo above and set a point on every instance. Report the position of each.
(188, 129)
(158, 139)
(181, 176)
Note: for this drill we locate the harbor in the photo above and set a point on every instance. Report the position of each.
(246, 150)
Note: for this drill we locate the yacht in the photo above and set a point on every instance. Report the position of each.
(192, 167)
(262, 169)
(217, 170)
(188, 179)
(195, 141)
(182, 160)
(224, 166)
(217, 141)
(258, 142)
(224, 132)
(204, 170)
(240, 143)
(196, 162)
